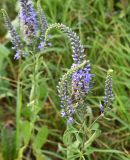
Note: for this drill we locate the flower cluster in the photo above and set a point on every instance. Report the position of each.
(28, 20)
(65, 101)
(80, 83)
(43, 25)
(108, 93)
(68, 102)
(17, 45)
(77, 47)
(32, 26)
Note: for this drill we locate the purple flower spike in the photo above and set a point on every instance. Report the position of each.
(28, 19)
(17, 45)
(43, 25)
(81, 81)
(108, 97)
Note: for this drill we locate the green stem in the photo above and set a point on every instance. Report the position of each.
(33, 95)
(18, 110)
(34, 82)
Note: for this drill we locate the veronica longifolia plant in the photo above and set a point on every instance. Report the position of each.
(73, 88)
(31, 40)
(76, 83)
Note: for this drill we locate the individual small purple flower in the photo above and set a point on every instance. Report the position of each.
(63, 114)
(41, 45)
(71, 111)
(101, 107)
(70, 120)
(24, 54)
(17, 55)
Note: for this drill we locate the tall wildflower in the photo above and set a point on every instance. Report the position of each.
(14, 36)
(28, 20)
(77, 85)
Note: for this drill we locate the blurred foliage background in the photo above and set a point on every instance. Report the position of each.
(104, 29)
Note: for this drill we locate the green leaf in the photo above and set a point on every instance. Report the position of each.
(4, 85)
(91, 139)
(26, 128)
(95, 127)
(39, 155)
(40, 138)
(67, 137)
(42, 90)
(8, 142)
(20, 153)
(91, 150)
(4, 52)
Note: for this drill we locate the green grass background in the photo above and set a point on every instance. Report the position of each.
(104, 29)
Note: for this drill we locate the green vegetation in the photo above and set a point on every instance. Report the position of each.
(104, 29)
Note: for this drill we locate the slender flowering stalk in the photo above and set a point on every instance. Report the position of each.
(77, 47)
(108, 93)
(28, 20)
(14, 36)
(43, 25)
(108, 97)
